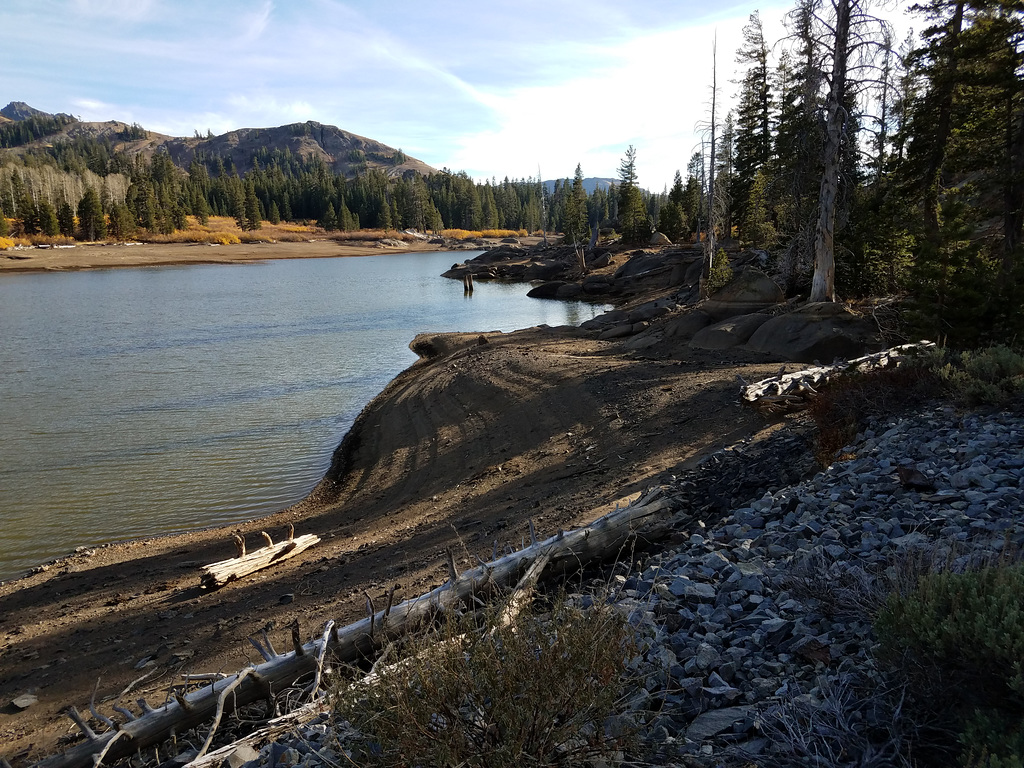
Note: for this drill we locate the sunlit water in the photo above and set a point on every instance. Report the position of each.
(144, 401)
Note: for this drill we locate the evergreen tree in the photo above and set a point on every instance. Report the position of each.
(636, 226)
(91, 221)
(5, 228)
(29, 215)
(574, 225)
(122, 222)
(672, 220)
(275, 215)
(753, 118)
(47, 218)
(251, 209)
(329, 220)
(66, 219)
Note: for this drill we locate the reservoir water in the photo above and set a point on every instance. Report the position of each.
(136, 402)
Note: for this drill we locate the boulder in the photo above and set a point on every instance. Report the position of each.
(501, 253)
(728, 333)
(547, 290)
(569, 291)
(820, 332)
(659, 239)
(750, 291)
(640, 264)
(685, 326)
(600, 260)
(543, 270)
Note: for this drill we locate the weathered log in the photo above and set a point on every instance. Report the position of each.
(564, 552)
(788, 391)
(220, 573)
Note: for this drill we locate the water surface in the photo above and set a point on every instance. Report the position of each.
(142, 401)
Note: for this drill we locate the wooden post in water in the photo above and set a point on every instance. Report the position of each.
(467, 282)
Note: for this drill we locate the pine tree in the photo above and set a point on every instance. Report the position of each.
(47, 218)
(329, 220)
(251, 209)
(753, 118)
(66, 219)
(672, 220)
(636, 226)
(574, 224)
(91, 221)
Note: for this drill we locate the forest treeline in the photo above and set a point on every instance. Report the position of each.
(862, 165)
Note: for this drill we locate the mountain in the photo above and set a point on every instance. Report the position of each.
(342, 152)
(589, 184)
(19, 110)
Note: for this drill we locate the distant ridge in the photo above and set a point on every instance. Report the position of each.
(342, 152)
(589, 184)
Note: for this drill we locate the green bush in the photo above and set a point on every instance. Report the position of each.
(989, 376)
(537, 691)
(962, 637)
(721, 272)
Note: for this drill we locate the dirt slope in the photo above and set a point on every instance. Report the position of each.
(458, 451)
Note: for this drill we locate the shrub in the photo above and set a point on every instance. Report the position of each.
(845, 405)
(721, 272)
(990, 376)
(535, 691)
(962, 634)
(5, 243)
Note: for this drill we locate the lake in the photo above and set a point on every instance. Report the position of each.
(146, 401)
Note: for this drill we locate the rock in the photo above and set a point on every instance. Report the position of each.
(686, 326)
(712, 723)
(286, 598)
(619, 331)
(823, 331)
(728, 333)
(749, 292)
(641, 264)
(547, 290)
(569, 291)
(242, 755)
(684, 587)
(659, 239)
(600, 261)
(543, 270)
(25, 701)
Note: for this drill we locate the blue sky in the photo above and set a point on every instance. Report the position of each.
(493, 88)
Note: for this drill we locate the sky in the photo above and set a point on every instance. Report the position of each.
(492, 87)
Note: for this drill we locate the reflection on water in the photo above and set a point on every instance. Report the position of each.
(144, 401)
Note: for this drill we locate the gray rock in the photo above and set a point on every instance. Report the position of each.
(823, 332)
(749, 292)
(728, 333)
(684, 587)
(709, 724)
(25, 701)
(242, 755)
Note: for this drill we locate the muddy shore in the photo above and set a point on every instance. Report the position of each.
(458, 451)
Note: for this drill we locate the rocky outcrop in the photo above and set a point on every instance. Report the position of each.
(820, 332)
(728, 333)
(750, 291)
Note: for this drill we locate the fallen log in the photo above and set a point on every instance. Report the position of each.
(218, 574)
(607, 537)
(790, 391)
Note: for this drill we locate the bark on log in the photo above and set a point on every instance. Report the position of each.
(565, 552)
(789, 391)
(220, 573)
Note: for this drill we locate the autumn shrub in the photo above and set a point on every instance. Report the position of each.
(504, 233)
(535, 691)
(959, 639)
(845, 405)
(461, 234)
(5, 243)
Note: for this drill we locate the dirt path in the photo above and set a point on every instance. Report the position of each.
(458, 451)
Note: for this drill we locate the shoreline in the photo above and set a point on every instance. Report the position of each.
(119, 255)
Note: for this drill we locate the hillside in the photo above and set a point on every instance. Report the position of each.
(342, 152)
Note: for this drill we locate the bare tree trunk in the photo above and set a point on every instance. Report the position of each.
(823, 282)
(709, 243)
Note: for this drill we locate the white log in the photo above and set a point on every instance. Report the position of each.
(220, 573)
(605, 538)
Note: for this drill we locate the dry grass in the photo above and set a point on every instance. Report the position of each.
(370, 235)
(470, 234)
(224, 230)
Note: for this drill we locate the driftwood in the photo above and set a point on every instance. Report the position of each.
(790, 391)
(564, 552)
(220, 573)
